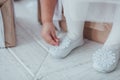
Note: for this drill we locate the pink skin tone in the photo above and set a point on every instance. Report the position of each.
(48, 29)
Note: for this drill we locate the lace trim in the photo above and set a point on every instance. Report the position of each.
(65, 44)
(104, 57)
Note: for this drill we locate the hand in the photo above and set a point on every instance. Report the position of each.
(49, 35)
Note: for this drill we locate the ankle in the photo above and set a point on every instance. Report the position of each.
(75, 37)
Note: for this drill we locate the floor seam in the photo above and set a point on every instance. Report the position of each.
(21, 62)
(40, 44)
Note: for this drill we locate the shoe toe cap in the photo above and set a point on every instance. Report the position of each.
(104, 61)
(104, 68)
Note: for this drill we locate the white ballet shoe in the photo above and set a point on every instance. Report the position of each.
(65, 47)
(106, 59)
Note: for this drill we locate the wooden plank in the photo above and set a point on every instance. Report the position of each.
(7, 10)
(68, 74)
(2, 39)
(10, 69)
(32, 25)
(77, 66)
(33, 29)
(79, 56)
(27, 50)
(31, 49)
(2, 2)
(82, 72)
(39, 11)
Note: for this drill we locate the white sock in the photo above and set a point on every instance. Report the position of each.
(107, 58)
(75, 14)
(75, 29)
(114, 36)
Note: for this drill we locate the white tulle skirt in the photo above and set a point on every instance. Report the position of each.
(88, 10)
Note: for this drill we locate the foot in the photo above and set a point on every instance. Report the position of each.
(65, 47)
(106, 59)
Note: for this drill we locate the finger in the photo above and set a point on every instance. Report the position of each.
(53, 43)
(55, 37)
(50, 40)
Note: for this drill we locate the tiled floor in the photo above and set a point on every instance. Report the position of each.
(29, 60)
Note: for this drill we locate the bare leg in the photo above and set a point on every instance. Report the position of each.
(9, 22)
(106, 58)
(75, 13)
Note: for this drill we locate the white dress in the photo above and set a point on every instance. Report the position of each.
(88, 10)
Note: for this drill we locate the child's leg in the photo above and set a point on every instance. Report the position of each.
(75, 15)
(106, 59)
(114, 37)
(75, 30)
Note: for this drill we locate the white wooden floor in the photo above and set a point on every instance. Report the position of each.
(30, 61)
